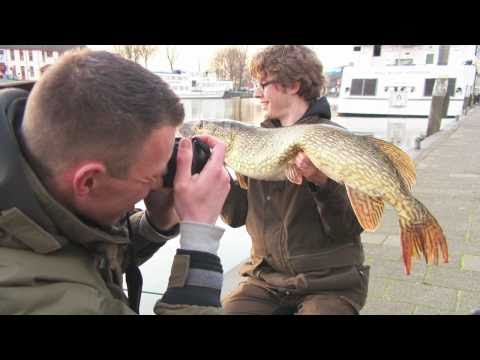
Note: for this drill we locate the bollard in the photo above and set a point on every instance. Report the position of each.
(418, 141)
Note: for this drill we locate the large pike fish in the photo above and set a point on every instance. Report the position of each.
(372, 170)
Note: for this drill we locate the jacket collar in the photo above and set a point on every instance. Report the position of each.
(318, 109)
(69, 226)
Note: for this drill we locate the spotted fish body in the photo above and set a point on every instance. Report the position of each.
(372, 170)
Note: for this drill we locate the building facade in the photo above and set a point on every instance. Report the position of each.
(24, 62)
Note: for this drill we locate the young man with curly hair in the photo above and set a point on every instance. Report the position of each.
(306, 255)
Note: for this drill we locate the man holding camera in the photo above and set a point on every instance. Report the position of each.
(95, 139)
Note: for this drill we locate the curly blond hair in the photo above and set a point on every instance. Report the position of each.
(289, 63)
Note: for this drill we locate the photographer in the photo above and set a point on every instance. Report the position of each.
(95, 139)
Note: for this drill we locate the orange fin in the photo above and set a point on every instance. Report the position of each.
(422, 235)
(292, 174)
(401, 160)
(242, 181)
(369, 210)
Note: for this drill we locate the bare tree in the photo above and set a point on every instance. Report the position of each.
(146, 52)
(230, 64)
(130, 52)
(172, 55)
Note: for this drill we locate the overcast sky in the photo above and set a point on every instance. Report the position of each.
(193, 57)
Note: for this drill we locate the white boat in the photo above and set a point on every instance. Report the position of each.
(398, 80)
(188, 86)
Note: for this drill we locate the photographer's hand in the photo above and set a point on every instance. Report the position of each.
(160, 209)
(200, 197)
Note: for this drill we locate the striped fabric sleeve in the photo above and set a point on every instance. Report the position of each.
(197, 274)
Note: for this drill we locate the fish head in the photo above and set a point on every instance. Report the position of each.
(221, 129)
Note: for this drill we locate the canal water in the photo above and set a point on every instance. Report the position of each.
(400, 131)
(235, 243)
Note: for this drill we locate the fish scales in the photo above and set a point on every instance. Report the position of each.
(372, 170)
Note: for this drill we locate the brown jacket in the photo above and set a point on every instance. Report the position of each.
(303, 237)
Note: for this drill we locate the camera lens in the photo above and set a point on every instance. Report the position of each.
(201, 154)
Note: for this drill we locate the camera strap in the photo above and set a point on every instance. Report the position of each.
(133, 275)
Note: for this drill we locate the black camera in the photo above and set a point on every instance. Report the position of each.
(201, 154)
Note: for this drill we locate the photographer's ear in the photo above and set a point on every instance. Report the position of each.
(86, 178)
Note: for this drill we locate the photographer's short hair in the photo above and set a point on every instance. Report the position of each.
(95, 105)
(289, 63)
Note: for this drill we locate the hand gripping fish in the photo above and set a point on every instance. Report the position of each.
(372, 170)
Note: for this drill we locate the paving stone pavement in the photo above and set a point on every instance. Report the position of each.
(448, 183)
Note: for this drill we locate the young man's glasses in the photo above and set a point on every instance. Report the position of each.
(262, 86)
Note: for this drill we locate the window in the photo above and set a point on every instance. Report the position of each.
(22, 70)
(443, 53)
(429, 59)
(451, 87)
(377, 50)
(30, 55)
(1, 52)
(403, 61)
(430, 83)
(21, 55)
(364, 87)
(370, 87)
(356, 88)
(12, 54)
(357, 48)
(49, 53)
(43, 56)
(32, 72)
(429, 87)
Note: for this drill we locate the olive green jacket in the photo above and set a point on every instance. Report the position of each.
(66, 266)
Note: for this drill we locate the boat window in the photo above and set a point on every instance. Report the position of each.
(429, 59)
(443, 53)
(377, 50)
(364, 87)
(430, 83)
(429, 87)
(403, 61)
(356, 88)
(370, 87)
(357, 48)
(451, 87)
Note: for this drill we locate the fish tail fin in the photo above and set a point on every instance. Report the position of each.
(421, 234)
